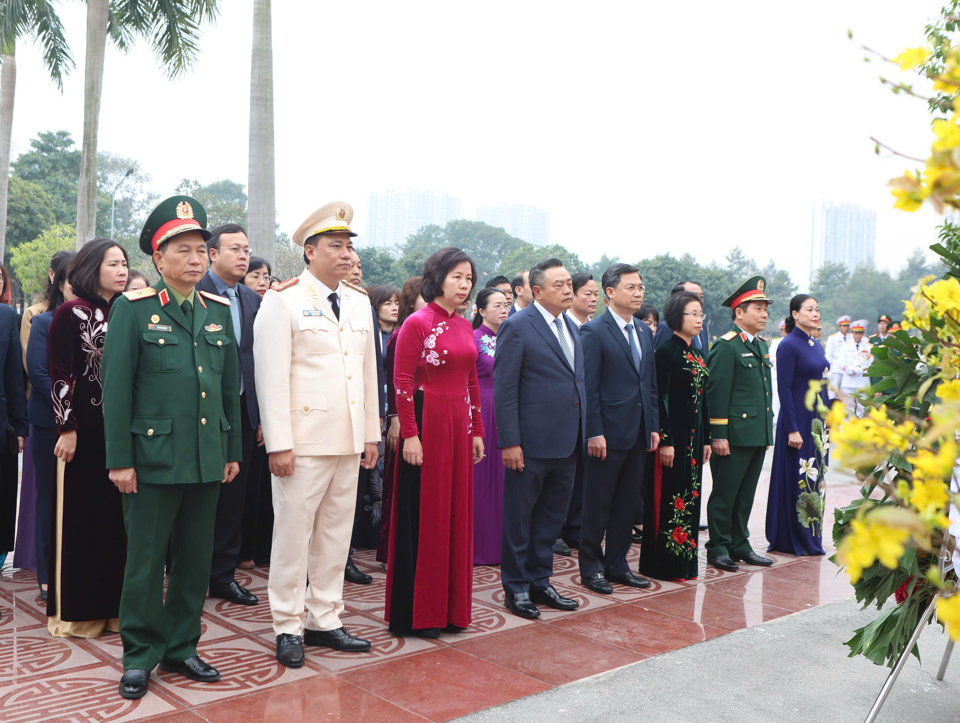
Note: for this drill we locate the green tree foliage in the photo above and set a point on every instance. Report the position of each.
(53, 163)
(30, 260)
(224, 201)
(30, 210)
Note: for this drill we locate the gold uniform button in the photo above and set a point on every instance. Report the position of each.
(352, 401)
(341, 328)
(203, 395)
(219, 343)
(750, 365)
(349, 377)
(306, 409)
(149, 432)
(344, 353)
(194, 343)
(200, 369)
(744, 416)
(162, 342)
(768, 409)
(203, 420)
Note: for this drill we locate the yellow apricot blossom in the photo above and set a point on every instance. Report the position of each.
(948, 613)
(912, 58)
(869, 541)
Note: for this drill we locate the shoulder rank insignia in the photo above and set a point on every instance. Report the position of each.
(287, 284)
(214, 297)
(355, 288)
(138, 294)
(729, 335)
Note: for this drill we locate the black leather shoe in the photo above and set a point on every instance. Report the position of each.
(753, 558)
(704, 528)
(630, 580)
(562, 548)
(290, 650)
(723, 562)
(598, 583)
(521, 605)
(429, 633)
(193, 668)
(351, 573)
(637, 534)
(338, 639)
(133, 684)
(552, 599)
(232, 592)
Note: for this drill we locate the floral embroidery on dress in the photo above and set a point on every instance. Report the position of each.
(812, 481)
(429, 353)
(93, 330)
(62, 409)
(488, 345)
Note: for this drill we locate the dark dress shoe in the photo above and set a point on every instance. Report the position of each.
(598, 583)
(723, 562)
(43, 594)
(551, 598)
(704, 528)
(290, 650)
(192, 668)
(429, 633)
(133, 684)
(232, 592)
(562, 548)
(630, 580)
(351, 573)
(338, 639)
(637, 534)
(752, 558)
(521, 605)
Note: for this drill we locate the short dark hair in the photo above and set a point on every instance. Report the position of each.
(580, 280)
(519, 282)
(84, 270)
(408, 297)
(437, 267)
(677, 288)
(648, 310)
(258, 262)
(58, 264)
(611, 277)
(745, 305)
(214, 241)
(483, 298)
(539, 272)
(675, 306)
(496, 281)
(380, 295)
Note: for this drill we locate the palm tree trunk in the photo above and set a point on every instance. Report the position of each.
(92, 91)
(8, 86)
(261, 212)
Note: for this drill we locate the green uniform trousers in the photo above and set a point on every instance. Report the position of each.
(735, 479)
(161, 516)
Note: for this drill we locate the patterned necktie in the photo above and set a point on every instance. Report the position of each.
(334, 304)
(564, 346)
(634, 349)
(235, 312)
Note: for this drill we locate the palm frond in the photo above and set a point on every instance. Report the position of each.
(48, 29)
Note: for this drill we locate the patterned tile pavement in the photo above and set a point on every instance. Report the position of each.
(497, 659)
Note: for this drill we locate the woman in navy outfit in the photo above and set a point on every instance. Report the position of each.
(797, 480)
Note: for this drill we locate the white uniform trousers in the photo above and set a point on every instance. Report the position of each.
(313, 522)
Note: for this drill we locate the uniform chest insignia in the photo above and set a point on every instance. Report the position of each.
(766, 356)
(154, 319)
(158, 327)
(213, 327)
(746, 354)
(214, 297)
(810, 342)
(313, 312)
(144, 293)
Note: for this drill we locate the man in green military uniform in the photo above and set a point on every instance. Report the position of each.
(739, 396)
(171, 396)
(883, 324)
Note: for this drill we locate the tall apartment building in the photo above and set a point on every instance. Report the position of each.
(525, 222)
(842, 233)
(394, 215)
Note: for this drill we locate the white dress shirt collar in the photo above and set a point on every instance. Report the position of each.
(323, 289)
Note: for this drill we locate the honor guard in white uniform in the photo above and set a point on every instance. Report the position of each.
(853, 359)
(834, 342)
(316, 372)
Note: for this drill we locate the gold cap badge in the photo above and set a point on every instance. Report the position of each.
(341, 213)
(760, 285)
(184, 210)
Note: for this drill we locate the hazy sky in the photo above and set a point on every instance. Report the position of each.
(640, 127)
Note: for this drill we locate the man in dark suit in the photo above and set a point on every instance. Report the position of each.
(664, 332)
(522, 292)
(540, 404)
(229, 253)
(623, 424)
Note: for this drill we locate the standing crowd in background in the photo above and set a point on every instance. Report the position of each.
(219, 419)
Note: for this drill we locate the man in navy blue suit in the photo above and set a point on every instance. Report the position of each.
(540, 403)
(229, 252)
(623, 425)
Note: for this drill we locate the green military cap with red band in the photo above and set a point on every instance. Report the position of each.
(174, 216)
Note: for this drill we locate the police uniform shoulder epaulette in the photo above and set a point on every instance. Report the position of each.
(355, 288)
(214, 297)
(287, 284)
(137, 294)
(729, 335)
